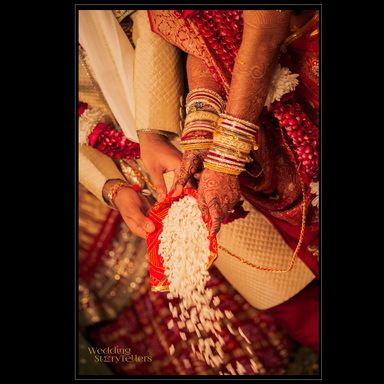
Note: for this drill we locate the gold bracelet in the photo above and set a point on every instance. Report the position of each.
(218, 163)
(114, 190)
(237, 136)
(223, 152)
(223, 161)
(232, 151)
(202, 105)
(201, 115)
(189, 147)
(231, 142)
(221, 169)
(196, 140)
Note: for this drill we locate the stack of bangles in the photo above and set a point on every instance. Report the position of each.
(202, 111)
(233, 140)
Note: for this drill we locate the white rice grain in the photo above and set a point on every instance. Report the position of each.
(184, 247)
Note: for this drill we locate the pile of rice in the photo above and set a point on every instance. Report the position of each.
(184, 246)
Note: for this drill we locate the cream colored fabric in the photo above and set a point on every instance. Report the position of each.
(158, 83)
(158, 78)
(95, 169)
(255, 239)
(88, 89)
(111, 56)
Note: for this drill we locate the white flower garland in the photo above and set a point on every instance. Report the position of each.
(283, 81)
(87, 122)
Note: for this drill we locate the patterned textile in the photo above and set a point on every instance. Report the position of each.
(118, 309)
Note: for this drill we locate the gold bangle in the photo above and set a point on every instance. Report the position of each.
(232, 142)
(201, 115)
(218, 163)
(221, 169)
(202, 106)
(237, 136)
(223, 152)
(196, 140)
(188, 147)
(114, 190)
(231, 150)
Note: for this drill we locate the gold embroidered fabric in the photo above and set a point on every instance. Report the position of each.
(158, 85)
(121, 14)
(88, 89)
(158, 78)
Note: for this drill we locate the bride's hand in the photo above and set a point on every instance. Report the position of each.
(191, 167)
(217, 195)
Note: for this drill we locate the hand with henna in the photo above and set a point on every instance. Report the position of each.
(217, 195)
(190, 169)
(199, 77)
(263, 34)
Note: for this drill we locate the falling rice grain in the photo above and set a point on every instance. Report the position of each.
(242, 334)
(230, 329)
(216, 301)
(228, 314)
(230, 369)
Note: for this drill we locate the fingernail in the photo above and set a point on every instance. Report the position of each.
(149, 227)
(177, 191)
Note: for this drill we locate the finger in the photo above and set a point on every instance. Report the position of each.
(135, 229)
(182, 177)
(191, 164)
(202, 205)
(159, 183)
(145, 205)
(178, 189)
(136, 212)
(216, 215)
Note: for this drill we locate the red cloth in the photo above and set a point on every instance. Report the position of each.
(157, 214)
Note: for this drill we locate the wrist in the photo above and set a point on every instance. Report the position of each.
(202, 111)
(113, 187)
(232, 142)
(154, 134)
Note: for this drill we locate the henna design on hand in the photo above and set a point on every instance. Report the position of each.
(218, 194)
(191, 164)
